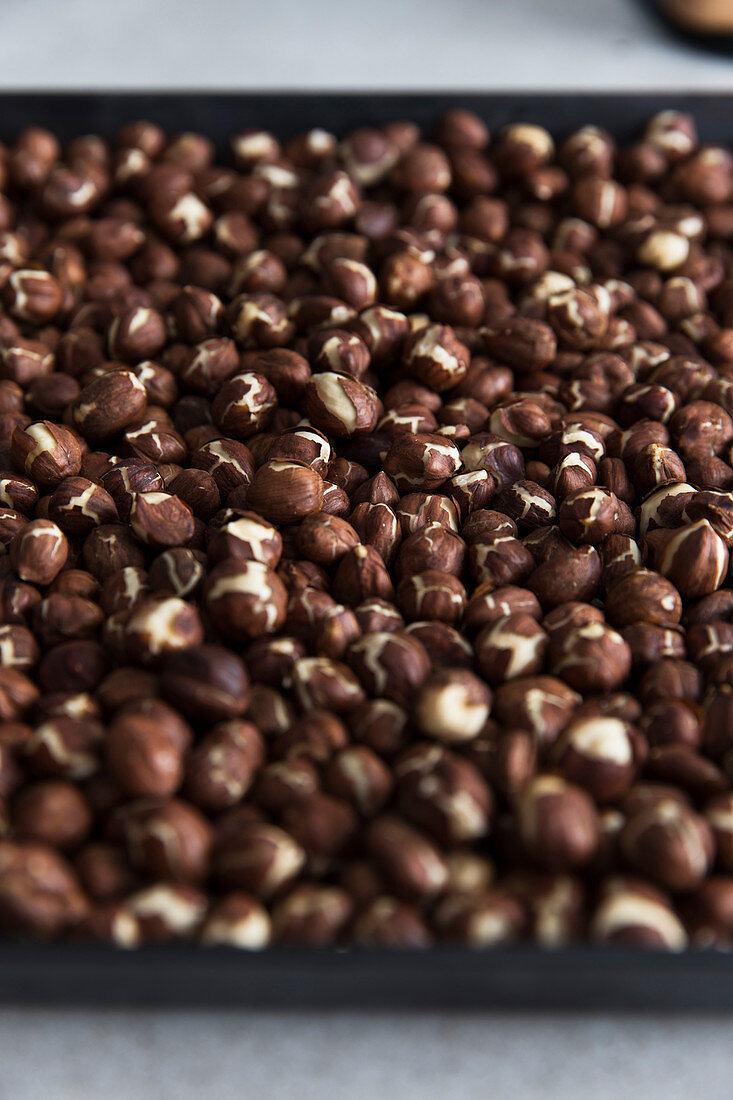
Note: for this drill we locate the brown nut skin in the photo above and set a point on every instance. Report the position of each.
(591, 657)
(719, 816)
(18, 647)
(409, 862)
(387, 922)
(643, 596)
(34, 296)
(586, 516)
(206, 683)
(324, 539)
(572, 574)
(127, 477)
(40, 896)
(245, 599)
(39, 552)
(284, 491)
(46, 452)
(248, 537)
(166, 911)
(238, 920)
(436, 357)
(632, 913)
(109, 404)
(598, 753)
(452, 706)
(161, 520)
(357, 775)
(104, 871)
(259, 858)
(221, 768)
(543, 705)
(158, 625)
(320, 683)
(52, 812)
(443, 793)
(694, 559)
(708, 914)
(18, 493)
(433, 547)
(509, 647)
(340, 405)
(78, 505)
(244, 405)
(557, 822)
(431, 595)
(488, 605)
(169, 840)
(145, 749)
(422, 461)
(668, 843)
(389, 665)
(312, 915)
(64, 747)
(361, 575)
(479, 919)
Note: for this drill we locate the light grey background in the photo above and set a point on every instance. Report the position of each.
(237, 1056)
(146, 1054)
(345, 43)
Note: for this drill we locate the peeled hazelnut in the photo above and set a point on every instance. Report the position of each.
(452, 706)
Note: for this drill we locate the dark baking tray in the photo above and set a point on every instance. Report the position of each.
(516, 978)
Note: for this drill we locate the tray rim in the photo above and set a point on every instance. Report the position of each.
(445, 978)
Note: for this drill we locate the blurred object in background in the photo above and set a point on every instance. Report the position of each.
(701, 16)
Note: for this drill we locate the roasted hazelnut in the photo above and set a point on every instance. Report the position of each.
(340, 405)
(245, 599)
(39, 551)
(160, 624)
(284, 491)
(46, 452)
(669, 843)
(452, 706)
(557, 822)
(633, 913)
(39, 893)
(161, 520)
(170, 840)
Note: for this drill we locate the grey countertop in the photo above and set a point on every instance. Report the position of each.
(324, 43)
(136, 1055)
(226, 1055)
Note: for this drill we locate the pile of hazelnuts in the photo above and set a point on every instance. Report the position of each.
(366, 505)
